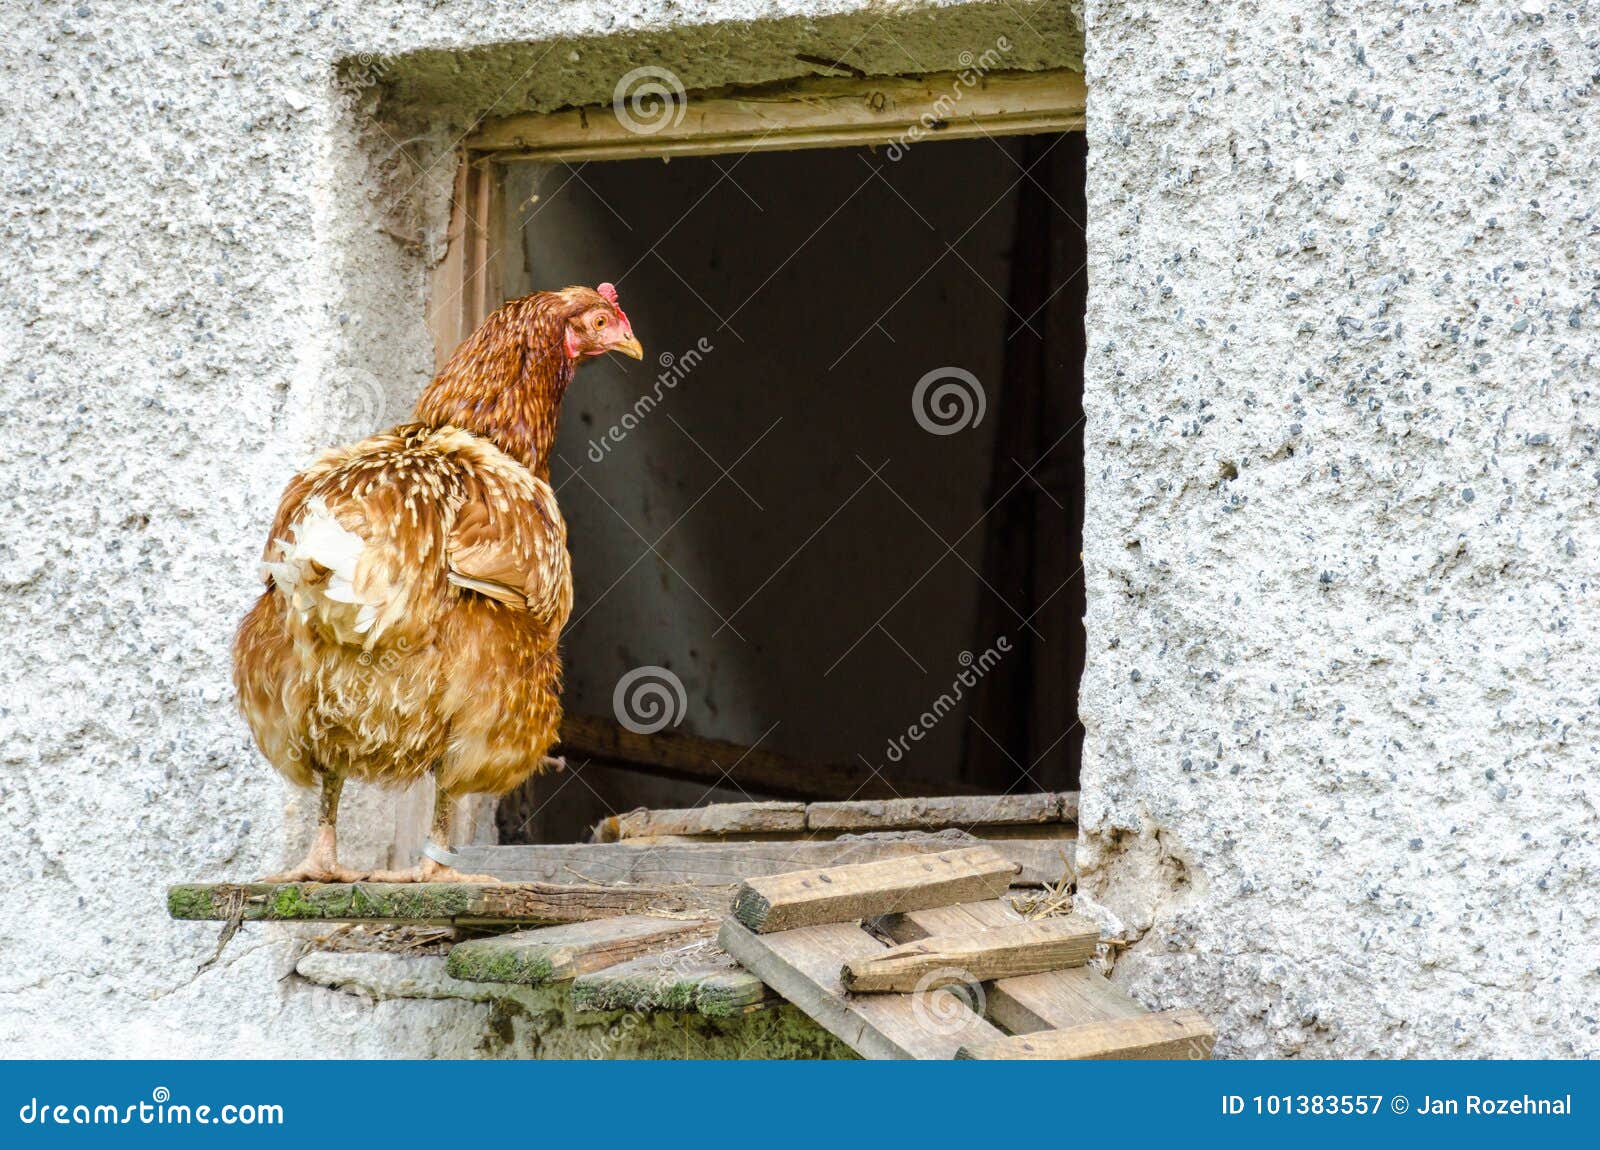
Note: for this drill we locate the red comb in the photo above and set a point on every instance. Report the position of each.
(608, 292)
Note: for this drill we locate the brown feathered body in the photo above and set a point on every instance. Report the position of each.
(418, 581)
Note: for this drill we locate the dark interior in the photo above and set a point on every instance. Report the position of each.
(774, 525)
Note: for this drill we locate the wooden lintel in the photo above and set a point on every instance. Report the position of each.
(816, 112)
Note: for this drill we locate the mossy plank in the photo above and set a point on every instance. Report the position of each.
(524, 902)
(550, 954)
(688, 980)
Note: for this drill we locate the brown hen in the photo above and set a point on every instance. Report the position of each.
(418, 581)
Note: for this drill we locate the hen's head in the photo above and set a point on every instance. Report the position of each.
(595, 324)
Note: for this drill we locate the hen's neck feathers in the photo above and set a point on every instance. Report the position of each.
(507, 379)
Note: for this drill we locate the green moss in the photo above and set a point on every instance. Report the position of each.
(492, 960)
(291, 902)
(191, 901)
(321, 901)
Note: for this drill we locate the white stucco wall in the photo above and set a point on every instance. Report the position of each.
(1342, 705)
(1339, 765)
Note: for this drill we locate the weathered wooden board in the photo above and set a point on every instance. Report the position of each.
(803, 965)
(555, 953)
(759, 772)
(814, 112)
(977, 955)
(521, 902)
(1039, 863)
(716, 819)
(684, 979)
(965, 812)
(1169, 1034)
(847, 893)
(1064, 834)
(1031, 1002)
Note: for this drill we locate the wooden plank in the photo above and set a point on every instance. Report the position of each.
(803, 965)
(687, 980)
(523, 902)
(966, 812)
(554, 953)
(444, 311)
(1169, 1034)
(1035, 863)
(1065, 834)
(977, 956)
(847, 893)
(1031, 1002)
(716, 819)
(757, 771)
(815, 112)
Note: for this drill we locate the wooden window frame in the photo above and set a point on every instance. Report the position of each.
(820, 112)
(817, 112)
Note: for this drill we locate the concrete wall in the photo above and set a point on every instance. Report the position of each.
(1340, 764)
(1341, 701)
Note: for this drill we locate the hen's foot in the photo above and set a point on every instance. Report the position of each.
(430, 871)
(313, 871)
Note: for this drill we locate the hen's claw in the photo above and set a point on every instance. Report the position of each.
(430, 871)
(312, 871)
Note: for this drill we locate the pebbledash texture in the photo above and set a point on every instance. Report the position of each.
(1344, 325)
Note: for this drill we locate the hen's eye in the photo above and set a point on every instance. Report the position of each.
(600, 322)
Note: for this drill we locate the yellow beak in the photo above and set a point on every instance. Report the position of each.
(630, 347)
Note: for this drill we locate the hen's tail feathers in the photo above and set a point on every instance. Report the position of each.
(317, 572)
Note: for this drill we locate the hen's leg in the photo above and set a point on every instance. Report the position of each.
(321, 863)
(431, 868)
